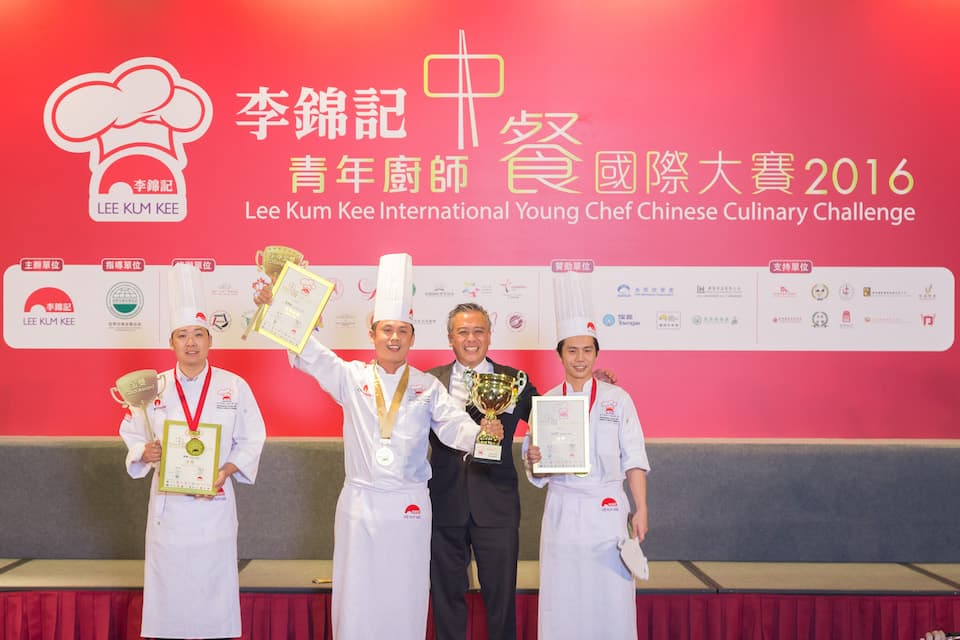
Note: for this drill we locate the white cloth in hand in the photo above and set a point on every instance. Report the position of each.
(633, 558)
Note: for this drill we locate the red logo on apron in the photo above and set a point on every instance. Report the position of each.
(609, 504)
(412, 511)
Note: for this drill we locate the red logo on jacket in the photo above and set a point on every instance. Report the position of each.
(609, 504)
(412, 511)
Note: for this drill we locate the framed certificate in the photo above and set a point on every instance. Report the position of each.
(190, 460)
(299, 297)
(560, 426)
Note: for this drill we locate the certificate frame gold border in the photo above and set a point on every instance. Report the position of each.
(577, 403)
(296, 347)
(162, 483)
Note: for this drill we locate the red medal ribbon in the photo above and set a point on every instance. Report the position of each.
(593, 392)
(193, 421)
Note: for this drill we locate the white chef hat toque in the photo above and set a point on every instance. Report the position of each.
(572, 304)
(394, 299)
(186, 297)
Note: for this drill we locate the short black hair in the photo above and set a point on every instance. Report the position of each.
(596, 345)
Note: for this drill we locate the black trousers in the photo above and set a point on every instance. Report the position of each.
(496, 550)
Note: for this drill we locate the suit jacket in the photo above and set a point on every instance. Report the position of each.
(488, 492)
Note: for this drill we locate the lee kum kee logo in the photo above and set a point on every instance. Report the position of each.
(609, 504)
(133, 123)
(412, 512)
(49, 300)
(49, 307)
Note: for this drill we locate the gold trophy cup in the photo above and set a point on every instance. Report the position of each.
(270, 260)
(139, 389)
(492, 393)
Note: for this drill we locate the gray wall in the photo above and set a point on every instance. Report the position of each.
(722, 501)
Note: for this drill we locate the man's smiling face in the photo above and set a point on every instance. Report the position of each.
(469, 337)
(392, 340)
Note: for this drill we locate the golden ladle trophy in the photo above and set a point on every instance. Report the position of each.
(270, 260)
(139, 389)
(492, 393)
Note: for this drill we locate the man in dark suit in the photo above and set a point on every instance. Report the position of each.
(475, 505)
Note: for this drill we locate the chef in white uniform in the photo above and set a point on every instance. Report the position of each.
(190, 585)
(381, 555)
(586, 591)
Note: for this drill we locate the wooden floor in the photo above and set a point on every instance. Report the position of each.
(665, 576)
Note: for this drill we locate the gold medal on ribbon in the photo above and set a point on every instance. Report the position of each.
(195, 447)
(384, 455)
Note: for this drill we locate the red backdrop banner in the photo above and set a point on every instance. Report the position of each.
(662, 145)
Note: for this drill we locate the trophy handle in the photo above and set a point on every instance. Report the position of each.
(258, 259)
(115, 394)
(520, 382)
(161, 385)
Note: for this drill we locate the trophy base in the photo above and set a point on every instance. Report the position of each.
(487, 453)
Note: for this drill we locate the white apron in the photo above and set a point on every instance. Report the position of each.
(191, 581)
(585, 589)
(381, 564)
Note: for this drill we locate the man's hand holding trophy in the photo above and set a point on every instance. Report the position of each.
(289, 309)
(492, 393)
(271, 260)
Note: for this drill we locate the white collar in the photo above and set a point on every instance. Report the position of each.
(484, 367)
(586, 388)
(183, 377)
(383, 373)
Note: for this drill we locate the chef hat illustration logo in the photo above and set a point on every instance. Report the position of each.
(133, 123)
